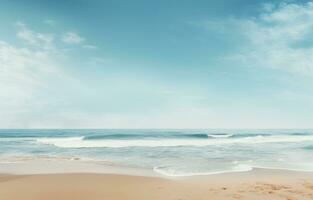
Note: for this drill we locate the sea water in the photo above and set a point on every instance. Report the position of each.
(168, 152)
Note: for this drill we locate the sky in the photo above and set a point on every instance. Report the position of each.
(156, 64)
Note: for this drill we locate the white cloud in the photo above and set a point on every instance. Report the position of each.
(279, 37)
(25, 74)
(41, 40)
(33, 78)
(72, 38)
(48, 41)
(34, 81)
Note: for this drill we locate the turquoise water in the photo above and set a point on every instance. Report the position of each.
(168, 152)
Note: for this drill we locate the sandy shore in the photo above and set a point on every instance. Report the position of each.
(254, 185)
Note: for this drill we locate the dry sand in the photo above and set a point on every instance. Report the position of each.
(254, 185)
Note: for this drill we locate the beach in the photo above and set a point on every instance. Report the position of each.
(156, 164)
(258, 184)
(156, 100)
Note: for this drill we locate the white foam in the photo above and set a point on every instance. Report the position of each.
(220, 135)
(174, 173)
(310, 169)
(79, 142)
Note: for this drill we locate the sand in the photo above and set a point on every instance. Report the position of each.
(254, 185)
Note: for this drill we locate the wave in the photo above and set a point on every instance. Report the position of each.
(309, 147)
(300, 133)
(244, 135)
(79, 142)
(144, 136)
(220, 135)
(61, 142)
(168, 171)
(169, 136)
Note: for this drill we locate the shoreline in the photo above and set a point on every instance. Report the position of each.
(86, 180)
(66, 166)
(42, 167)
(253, 185)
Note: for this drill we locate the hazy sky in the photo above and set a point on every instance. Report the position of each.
(156, 64)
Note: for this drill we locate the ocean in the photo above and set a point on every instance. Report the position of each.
(167, 152)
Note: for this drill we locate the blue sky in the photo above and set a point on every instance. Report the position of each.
(156, 64)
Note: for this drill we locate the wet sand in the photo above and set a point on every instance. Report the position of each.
(258, 184)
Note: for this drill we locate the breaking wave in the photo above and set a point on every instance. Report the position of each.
(82, 142)
(168, 171)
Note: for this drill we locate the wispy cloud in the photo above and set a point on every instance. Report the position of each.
(72, 38)
(27, 70)
(42, 40)
(279, 37)
(24, 73)
(33, 67)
